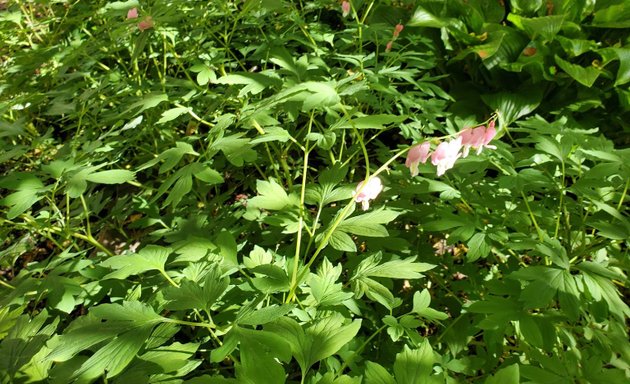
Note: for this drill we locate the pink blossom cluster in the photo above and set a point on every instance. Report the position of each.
(345, 8)
(144, 24)
(447, 152)
(397, 29)
(443, 157)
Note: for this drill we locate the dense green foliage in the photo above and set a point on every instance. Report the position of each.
(176, 192)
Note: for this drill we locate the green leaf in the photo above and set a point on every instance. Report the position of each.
(513, 105)
(265, 315)
(614, 16)
(191, 295)
(271, 196)
(369, 122)
(112, 358)
(320, 340)
(341, 241)
(137, 314)
(423, 18)
(260, 352)
(369, 224)
(376, 374)
(421, 302)
(395, 269)
(254, 82)
(546, 26)
(172, 114)
(114, 176)
(477, 247)
(414, 366)
(583, 75)
(507, 375)
(149, 258)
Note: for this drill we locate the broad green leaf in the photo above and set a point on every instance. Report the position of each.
(318, 341)
(613, 16)
(341, 241)
(369, 224)
(395, 269)
(270, 196)
(545, 26)
(423, 18)
(260, 352)
(149, 258)
(191, 295)
(507, 375)
(414, 366)
(513, 105)
(583, 75)
(376, 374)
(254, 82)
(273, 134)
(172, 114)
(265, 315)
(477, 247)
(112, 358)
(137, 314)
(114, 176)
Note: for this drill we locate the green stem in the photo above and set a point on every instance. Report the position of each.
(531, 215)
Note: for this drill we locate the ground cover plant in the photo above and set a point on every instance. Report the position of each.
(321, 191)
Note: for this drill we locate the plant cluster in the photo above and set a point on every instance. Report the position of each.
(179, 184)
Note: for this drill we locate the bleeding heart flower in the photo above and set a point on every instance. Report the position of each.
(388, 47)
(446, 154)
(363, 194)
(417, 154)
(145, 24)
(345, 8)
(132, 13)
(477, 138)
(397, 29)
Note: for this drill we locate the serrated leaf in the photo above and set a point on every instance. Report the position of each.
(513, 105)
(395, 269)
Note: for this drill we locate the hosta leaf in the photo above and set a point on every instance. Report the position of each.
(545, 26)
(513, 105)
(583, 75)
